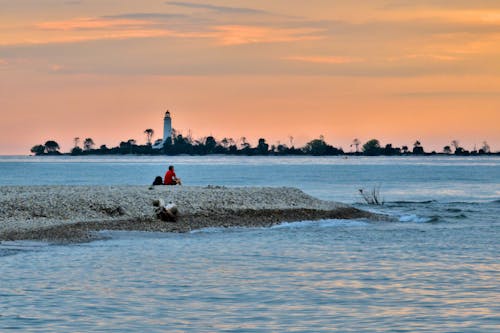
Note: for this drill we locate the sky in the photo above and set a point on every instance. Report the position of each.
(395, 70)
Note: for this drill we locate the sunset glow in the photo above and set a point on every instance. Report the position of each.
(387, 69)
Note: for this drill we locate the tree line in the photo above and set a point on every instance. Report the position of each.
(180, 144)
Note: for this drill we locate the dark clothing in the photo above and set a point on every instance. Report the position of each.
(158, 181)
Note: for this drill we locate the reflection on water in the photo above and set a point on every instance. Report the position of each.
(316, 278)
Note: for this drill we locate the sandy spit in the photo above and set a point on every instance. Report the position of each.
(74, 213)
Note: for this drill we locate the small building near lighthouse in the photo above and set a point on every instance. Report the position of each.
(167, 132)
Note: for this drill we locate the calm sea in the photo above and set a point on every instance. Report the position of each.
(436, 270)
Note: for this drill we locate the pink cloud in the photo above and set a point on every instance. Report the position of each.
(239, 35)
(436, 57)
(81, 23)
(325, 59)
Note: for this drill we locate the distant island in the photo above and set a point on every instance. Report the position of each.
(174, 143)
(227, 146)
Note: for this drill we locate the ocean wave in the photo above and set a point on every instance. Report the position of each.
(320, 224)
(287, 225)
(210, 230)
(13, 247)
(413, 218)
(403, 202)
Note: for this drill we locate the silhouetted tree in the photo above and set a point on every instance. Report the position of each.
(127, 147)
(356, 144)
(389, 150)
(244, 142)
(485, 148)
(372, 147)
(447, 149)
(189, 137)
(405, 149)
(149, 135)
(38, 149)
(88, 144)
(262, 147)
(459, 150)
(76, 141)
(316, 147)
(417, 148)
(210, 144)
(245, 147)
(225, 142)
(281, 149)
(319, 147)
(76, 151)
(52, 147)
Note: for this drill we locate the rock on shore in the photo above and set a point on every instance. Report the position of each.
(74, 212)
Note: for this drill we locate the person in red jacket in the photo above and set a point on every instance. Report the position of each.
(171, 177)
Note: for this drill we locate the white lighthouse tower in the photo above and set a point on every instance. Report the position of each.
(167, 131)
(167, 127)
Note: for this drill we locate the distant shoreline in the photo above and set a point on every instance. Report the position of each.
(346, 155)
(179, 145)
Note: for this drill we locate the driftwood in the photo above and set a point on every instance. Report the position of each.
(167, 213)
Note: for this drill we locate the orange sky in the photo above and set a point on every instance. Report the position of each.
(389, 69)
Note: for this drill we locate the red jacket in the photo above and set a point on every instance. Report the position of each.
(169, 176)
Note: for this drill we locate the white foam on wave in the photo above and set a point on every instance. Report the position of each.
(414, 218)
(320, 224)
(22, 245)
(288, 225)
(212, 230)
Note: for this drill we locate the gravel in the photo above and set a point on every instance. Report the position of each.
(75, 212)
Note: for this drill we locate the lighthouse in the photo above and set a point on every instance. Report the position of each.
(167, 127)
(167, 132)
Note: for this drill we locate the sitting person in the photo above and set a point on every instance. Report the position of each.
(171, 177)
(158, 181)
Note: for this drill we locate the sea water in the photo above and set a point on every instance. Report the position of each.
(436, 269)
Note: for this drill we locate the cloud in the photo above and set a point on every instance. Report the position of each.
(238, 35)
(146, 16)
(146, 25)
(88, 23)
(220, 9)
(436, 57)
(205, 41)
(83, 29)
(325, 59)
(56, 68)
(455, 4)
(449, 94)
(94, 36)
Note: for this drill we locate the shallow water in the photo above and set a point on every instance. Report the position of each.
(437, 270)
